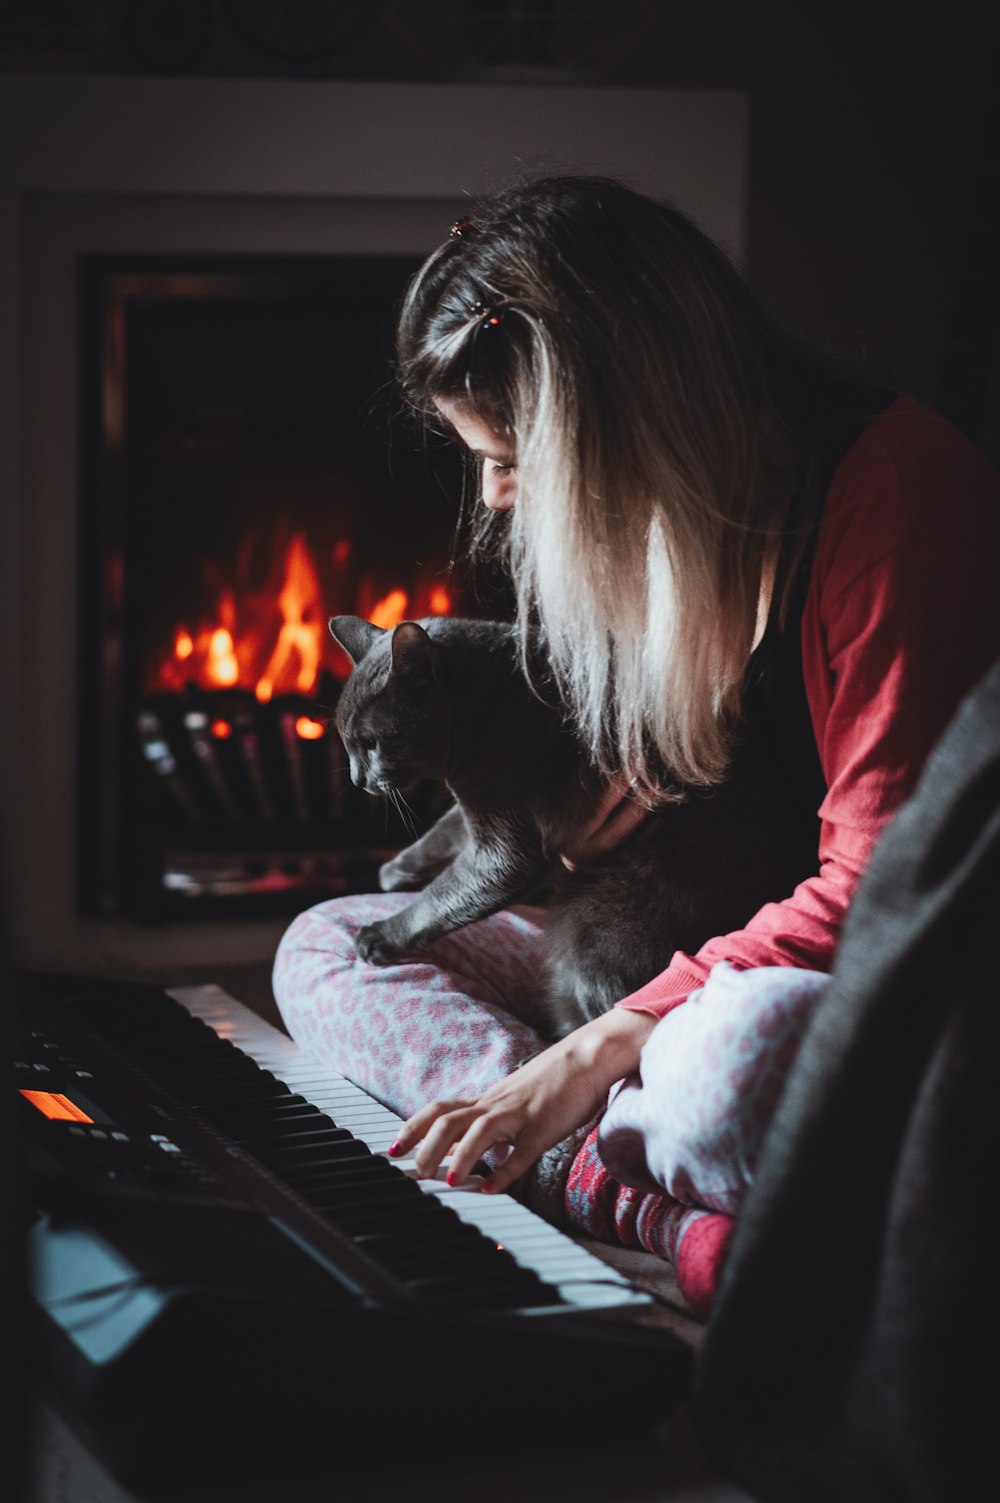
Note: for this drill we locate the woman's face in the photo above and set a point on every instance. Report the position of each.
(496, 450)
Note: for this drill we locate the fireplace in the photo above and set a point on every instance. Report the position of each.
(245, 475)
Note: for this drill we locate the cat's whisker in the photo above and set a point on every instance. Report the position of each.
(406, 814)
(402, 809)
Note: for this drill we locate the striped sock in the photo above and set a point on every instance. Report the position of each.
(694, 1240)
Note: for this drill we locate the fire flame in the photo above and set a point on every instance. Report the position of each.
(391, 610)
(299, 598)
(223, 668)
(244, 647)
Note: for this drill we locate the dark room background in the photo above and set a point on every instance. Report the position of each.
(874, 137)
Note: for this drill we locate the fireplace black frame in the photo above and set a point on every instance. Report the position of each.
(119, 873)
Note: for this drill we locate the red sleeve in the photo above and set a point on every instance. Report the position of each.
(902, 618)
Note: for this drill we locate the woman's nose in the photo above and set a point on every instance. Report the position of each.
(499, 490)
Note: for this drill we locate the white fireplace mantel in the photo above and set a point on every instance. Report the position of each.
(91, 164)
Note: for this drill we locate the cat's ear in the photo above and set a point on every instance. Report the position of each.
(412, 649)
(355, 636)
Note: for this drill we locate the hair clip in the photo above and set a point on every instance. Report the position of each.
(491, 316)
(459, 228)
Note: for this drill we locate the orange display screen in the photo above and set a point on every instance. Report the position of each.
(57, 1106)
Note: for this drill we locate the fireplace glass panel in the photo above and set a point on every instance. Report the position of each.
(245, 477)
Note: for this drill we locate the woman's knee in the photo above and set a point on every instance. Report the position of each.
(315, 957)
(711, 1074)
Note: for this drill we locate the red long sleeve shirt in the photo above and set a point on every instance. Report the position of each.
(901, 619)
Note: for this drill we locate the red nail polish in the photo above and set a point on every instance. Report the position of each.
(394, 1147)
(451, 1178)
(488, 1187)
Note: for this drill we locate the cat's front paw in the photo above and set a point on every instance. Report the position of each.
(399, 875)
(374, 945)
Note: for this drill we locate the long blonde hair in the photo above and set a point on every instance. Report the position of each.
(632, 365)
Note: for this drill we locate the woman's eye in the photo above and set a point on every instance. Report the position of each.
(503, 469)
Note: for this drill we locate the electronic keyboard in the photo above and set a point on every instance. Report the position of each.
(219, 1248)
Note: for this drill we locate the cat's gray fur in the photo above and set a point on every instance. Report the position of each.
(445, 698)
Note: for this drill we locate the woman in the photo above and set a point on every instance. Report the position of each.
(722, 534)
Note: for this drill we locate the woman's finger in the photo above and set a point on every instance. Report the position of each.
(440, 1139)
(415, 1127)
(512, 1169)
(486, 1130)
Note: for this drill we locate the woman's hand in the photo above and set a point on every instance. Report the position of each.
(619, 812)
(533, 1108)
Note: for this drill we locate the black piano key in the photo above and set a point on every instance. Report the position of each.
(350, 1213)
(450, 1231)
(319, 1155)
(294, 1138)
(217, 1066)
(395, 1217)
(330, 1173)
(388, 1228)
(237, 1117)
(512, 1287)
(448, 1250)
(355, 1163)
(305, 1134)
(199, 1044)
(255, 1095)
(450, 1238)
(305, 1159)
(382, 1233)
(207, 1091)
(196, 1070)
(354, 1193)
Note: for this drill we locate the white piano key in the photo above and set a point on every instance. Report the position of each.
(584, 1282)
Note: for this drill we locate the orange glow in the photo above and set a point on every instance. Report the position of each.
(221, 730)
(264, 630)
(299, 598)
(390, 610)
(56, 1106)
(308, 730)
(223, 669)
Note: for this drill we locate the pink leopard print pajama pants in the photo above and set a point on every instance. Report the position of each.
(667, 1167)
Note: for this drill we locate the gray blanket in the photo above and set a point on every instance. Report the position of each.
(850, 1355)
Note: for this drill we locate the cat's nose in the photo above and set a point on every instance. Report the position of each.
(364, 775)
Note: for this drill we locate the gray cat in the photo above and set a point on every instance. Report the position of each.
(446, 699)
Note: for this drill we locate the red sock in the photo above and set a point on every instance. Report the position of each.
(693, 1239)
(701, 1258)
